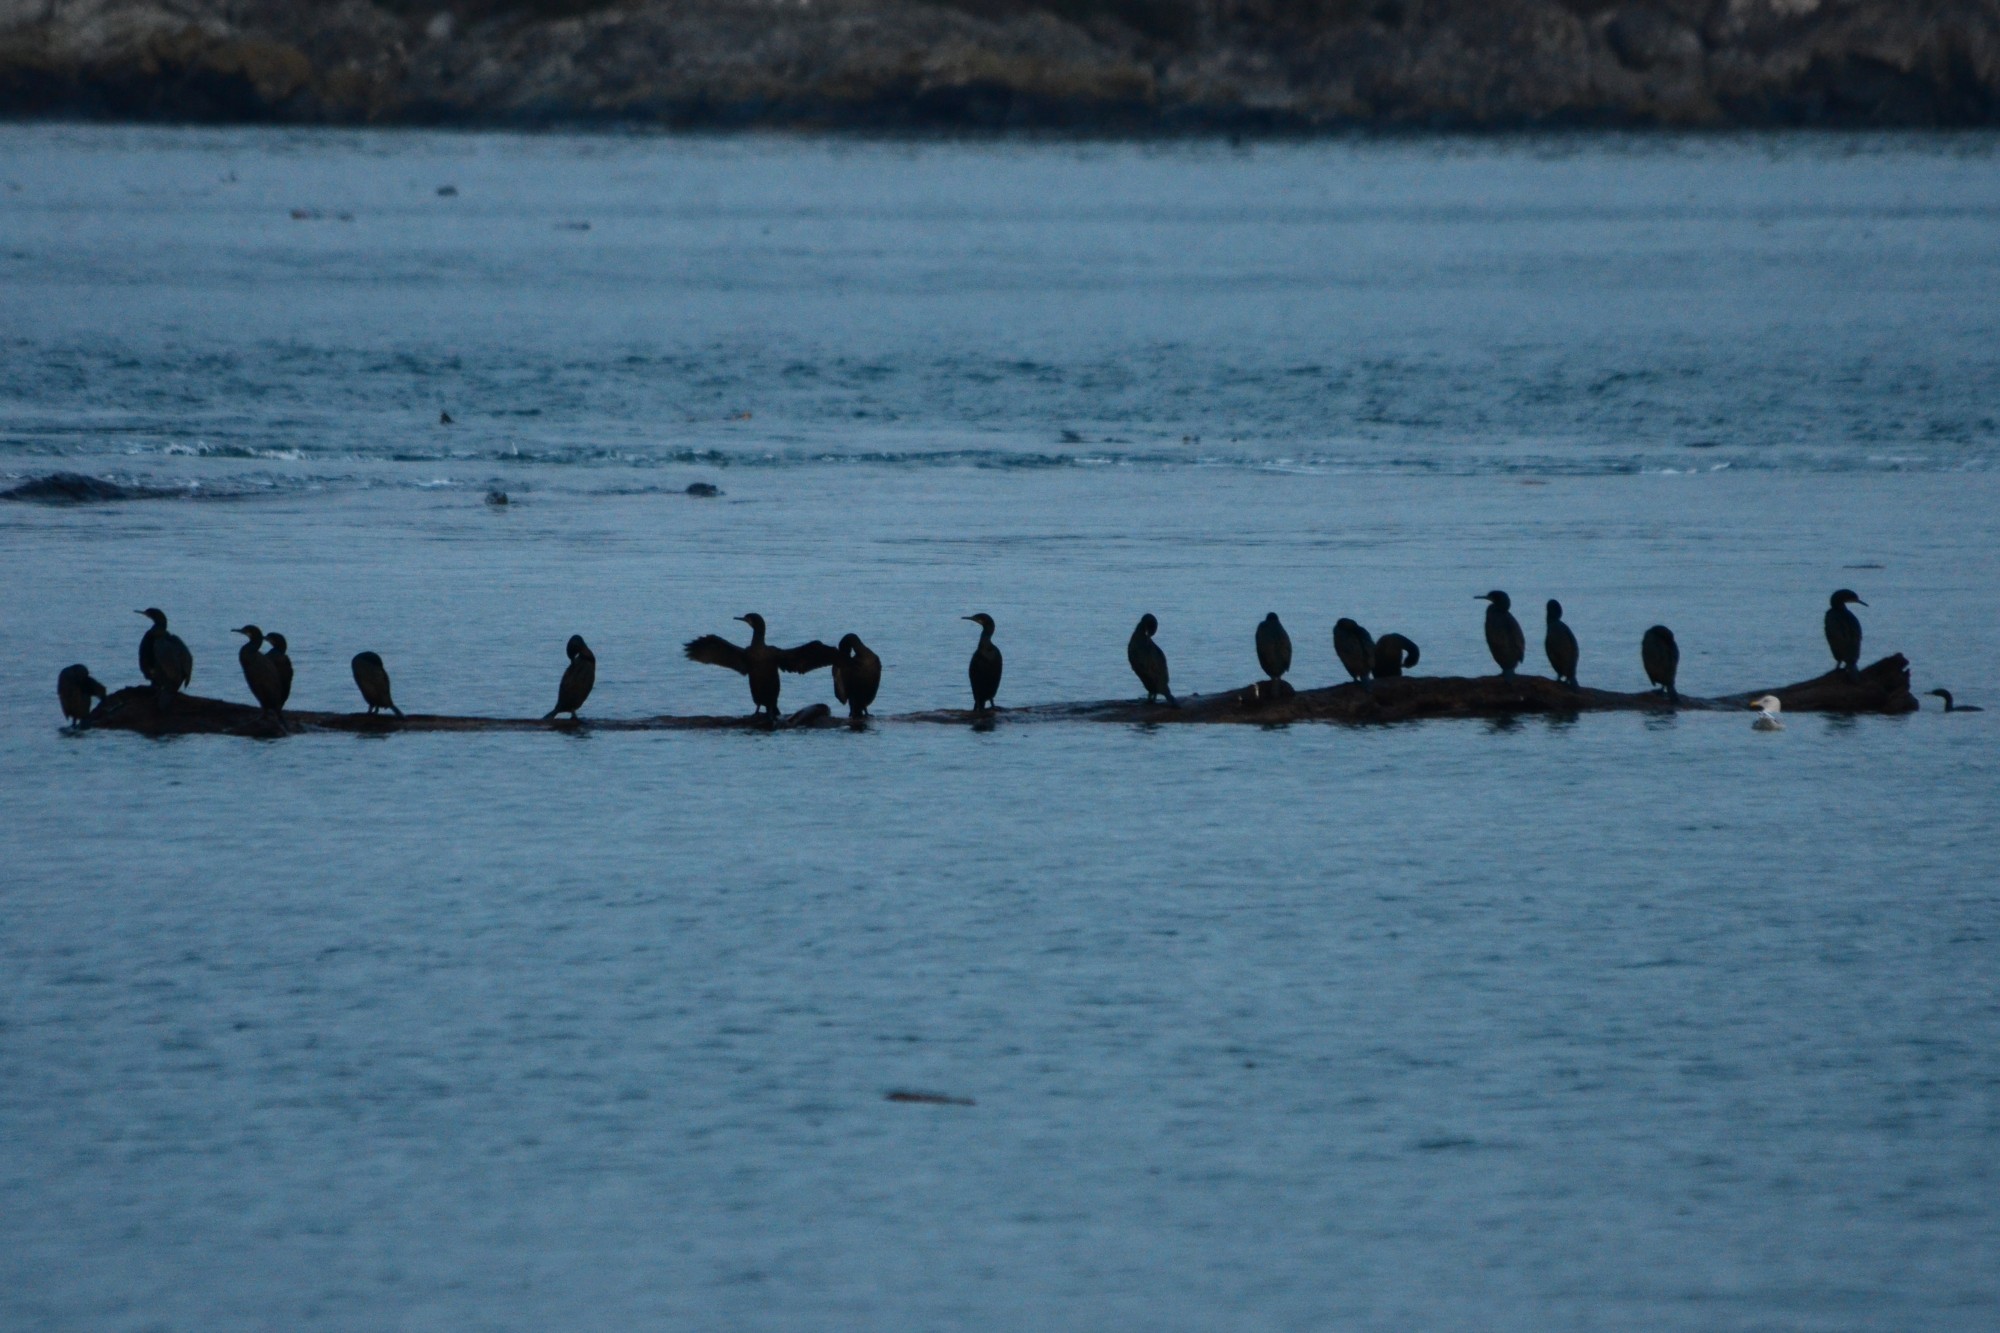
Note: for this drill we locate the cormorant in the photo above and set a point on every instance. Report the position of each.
(260, 673)
(1274, 647)
(857, 674)
(1355, 647)
(373, 678)
(1662, 657)
(1503, 633)
(1561, 646)
(1149, 662)
(984, 669)
(281, 660)
(760, 661)
(75, 687)
(577, 678)
(1945, 695)
(1843, 630)
(1768, 709)
(163, 658)
(1393, 654)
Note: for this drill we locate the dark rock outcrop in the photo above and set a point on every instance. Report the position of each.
(1085, 65)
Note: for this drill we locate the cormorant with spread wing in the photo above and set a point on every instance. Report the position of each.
(760, 661)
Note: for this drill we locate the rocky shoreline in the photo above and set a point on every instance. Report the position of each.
(1084, 66)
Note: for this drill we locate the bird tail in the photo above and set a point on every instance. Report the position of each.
(550, 716)
(397, 711)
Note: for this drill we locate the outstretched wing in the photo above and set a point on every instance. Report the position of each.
(714, 650)
(807, 657)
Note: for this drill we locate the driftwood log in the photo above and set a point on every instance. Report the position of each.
(1881, 688)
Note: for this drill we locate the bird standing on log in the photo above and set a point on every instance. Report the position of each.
(260, 673)
(1560, 644)
(760, 661)
(1355, 647)
(1843, 630)
(1504, 638)
(76, 687)
(577, 679)
(1393, 654)
(1149, 660)
(984, 669)
(1274, 647)
(1662, 659)
(163, 659)
(857, 675)
(373, 679)
(281, 662)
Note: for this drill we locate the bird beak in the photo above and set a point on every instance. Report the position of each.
(965, 617)
(138, 613)
(1859, 602)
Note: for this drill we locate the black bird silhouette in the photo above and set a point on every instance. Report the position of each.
(1394, 653)
(281, 662)
(857, 674)
(760, 661)
(1843, 630)
(1355, 647)
(1504, 638)
(1274, 647)
(373, 679)
(260, 673)
(1662, 658)
(1945, 695)
(984, 669)
(163, 659)
(1560, 644)
(76, 687)
(577, 678)
(1149, 660)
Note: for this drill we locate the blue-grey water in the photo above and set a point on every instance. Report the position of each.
(1611, 1022)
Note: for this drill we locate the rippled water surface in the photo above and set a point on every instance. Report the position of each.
(1618, 1021)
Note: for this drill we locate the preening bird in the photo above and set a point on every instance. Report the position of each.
(1662, 659)
(1768, 709)
(281, 662)
(75, 688)
(1394, 654)
(1274, 647)
(760, 661)
(986, 664)
(1945, 695)
(1355, 647)
(1843, 630)
(577, 679)
(1560, 644)
(260, 673)
(373, 679)
(857, 674)
(1149, 660)
(1504, 638)
(163, 659)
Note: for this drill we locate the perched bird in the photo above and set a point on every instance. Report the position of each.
(1503, 633)
(1662, 657)
(1560, 644)
(857, 674)
(1149, 661)
(76, 687)
(281, 661)
(984, 669)
(1355, 647)
(163, 659)
(373, 678)
(760, 661)
(1768, 709)
(577, 678)
(1393, 655)
(1945, 695)
(260, 673)
(1274, 647)
(1843, 630)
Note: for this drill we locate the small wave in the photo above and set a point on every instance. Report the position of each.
(74, 488)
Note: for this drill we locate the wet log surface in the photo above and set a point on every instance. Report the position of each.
(1881, 688)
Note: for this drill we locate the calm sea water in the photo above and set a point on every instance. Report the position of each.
(1614, 1022)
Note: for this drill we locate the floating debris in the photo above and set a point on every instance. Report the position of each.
(929, 1099)
(497, 498)
(444, 419)
(706, 489)
(572, 226)
(447, 192)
